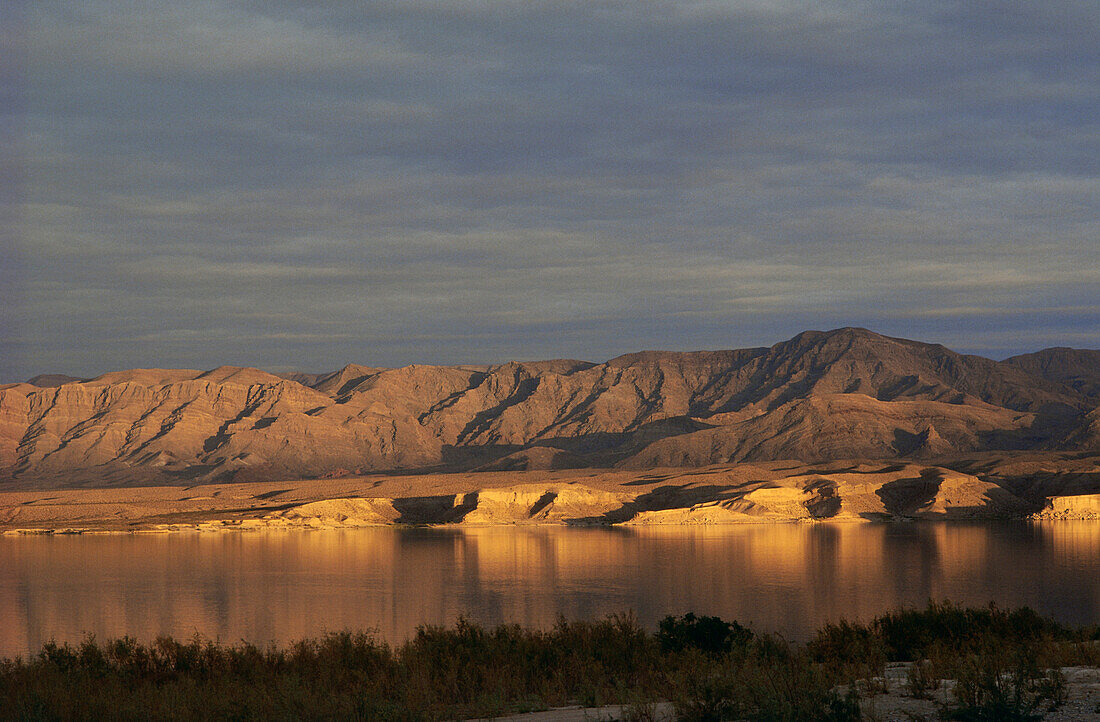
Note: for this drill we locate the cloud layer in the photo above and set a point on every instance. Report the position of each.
(415, 181)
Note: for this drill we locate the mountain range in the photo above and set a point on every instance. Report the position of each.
(842, 394)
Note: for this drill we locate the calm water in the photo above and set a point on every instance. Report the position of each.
(286, 585)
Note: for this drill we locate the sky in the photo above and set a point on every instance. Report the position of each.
(297, 186)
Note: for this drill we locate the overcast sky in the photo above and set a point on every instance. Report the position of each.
(298, 186)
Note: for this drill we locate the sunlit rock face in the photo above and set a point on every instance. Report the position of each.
(1073, 506)
(841, 394)
(1055, 485)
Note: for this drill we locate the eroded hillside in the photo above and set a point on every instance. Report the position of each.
(842, 394)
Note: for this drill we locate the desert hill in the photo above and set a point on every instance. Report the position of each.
(1076, 368)
(842, 394)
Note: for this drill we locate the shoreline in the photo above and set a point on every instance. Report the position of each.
(221, 527)
(215, 528)
(775, 492)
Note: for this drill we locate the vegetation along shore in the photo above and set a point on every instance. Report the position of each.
(943, 661)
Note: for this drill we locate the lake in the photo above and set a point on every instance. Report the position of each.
(281, 586)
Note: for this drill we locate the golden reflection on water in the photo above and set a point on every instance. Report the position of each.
(286, 585)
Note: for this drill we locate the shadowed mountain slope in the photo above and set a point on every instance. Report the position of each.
(846, 393)
(1076, 368)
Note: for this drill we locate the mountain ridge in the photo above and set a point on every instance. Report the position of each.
(821, 395)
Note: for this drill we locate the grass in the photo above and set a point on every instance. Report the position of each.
(709, 668)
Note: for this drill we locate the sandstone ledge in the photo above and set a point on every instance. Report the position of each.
(851, 491)
(1071, 507)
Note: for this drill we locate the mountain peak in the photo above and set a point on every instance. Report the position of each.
(239, 375)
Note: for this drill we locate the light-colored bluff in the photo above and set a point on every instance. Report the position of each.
(725, 494)
(843, 394)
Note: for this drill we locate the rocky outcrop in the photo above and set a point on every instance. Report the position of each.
(1075, 507)
(728, 494)
(822, 395)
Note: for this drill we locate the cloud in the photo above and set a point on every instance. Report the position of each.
(420, 181)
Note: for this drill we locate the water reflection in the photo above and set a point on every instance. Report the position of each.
(286, 585)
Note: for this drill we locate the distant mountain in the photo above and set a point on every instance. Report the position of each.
(847, 393)
(52, 380)
(1076, 368)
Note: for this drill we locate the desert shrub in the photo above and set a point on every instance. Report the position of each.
(909, 634)
(707, 634)
(640, 709)
(999, 685)
(848, 643)
(798, 689)
(772, 681)
(709, 697)
(922, 678)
